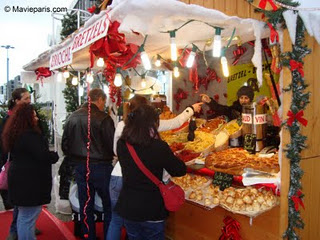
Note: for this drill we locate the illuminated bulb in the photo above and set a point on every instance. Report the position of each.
(145, 60)
(59, 77)
(118, 80)
(143, 83)
(74, 81)
(176, 72)
(66, 74)
(100, 62)
(225, 68)
(157, 63)
(216, 50)
(190, 60)
(173, 46)
(90, 77)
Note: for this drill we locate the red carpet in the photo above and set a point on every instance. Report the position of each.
(50, 226)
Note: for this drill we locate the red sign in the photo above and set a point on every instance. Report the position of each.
(61, 58)
(91, 34)
(258, 118)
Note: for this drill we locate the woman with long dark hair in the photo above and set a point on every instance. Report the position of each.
(29, 176)
(140, 202)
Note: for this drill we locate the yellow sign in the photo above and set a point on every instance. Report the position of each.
(245, 74)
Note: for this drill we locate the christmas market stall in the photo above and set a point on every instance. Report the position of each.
(253, 176)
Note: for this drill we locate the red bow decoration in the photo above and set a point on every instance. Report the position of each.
(216, 97)
(274, 36)
(297, 200)
(298, 117)
(179, 96)
(114, 48)
(297, 66)
(92, 9)
(238, 53)
(263, 4)
(211, 75)
(231, 229)
(42, 72)
(193, 71)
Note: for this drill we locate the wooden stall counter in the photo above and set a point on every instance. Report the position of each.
(193, 222)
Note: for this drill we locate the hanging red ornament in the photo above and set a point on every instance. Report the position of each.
(42, 72)
(216, 97)
(179, 96)
(231, 229)
(193, 71)
(211, 75)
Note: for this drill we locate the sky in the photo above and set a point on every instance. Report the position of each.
(27, 32)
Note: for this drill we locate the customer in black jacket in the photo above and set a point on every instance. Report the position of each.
(74, 146)
(140, 202)
(29, 176)
(245, 96)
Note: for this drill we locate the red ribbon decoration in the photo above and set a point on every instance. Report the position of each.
(42, 72)
(263, 4)
(211, 75)
(193, 71)
(231, 229)
(92, 9)
(298, 117)
(179, 96)
(238, 53)
(297, 200)
(274, 36)
(297, 66)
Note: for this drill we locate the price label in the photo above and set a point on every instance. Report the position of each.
(223, 180)
(249, 143)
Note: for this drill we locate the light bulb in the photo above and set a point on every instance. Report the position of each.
(225, 68)
(145, 60)
(176, 72)
(143, 83)
(90, 77)
(118, 80)
(100, 62)
(190, 60)
(173, 47)
(74, 81)
(216, 50)
(157, 63)
(59, 77)
(66, 74)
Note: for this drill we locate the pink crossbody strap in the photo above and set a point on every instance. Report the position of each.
(142, 167)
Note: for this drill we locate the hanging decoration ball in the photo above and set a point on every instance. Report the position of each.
(90, 78)
(118, 80)
(66, 74)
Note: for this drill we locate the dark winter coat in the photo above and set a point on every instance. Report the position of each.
(29, 176)
(140, 199)
(75, 135)
(232, 112)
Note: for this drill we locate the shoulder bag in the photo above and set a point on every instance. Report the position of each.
(4, 175)
(172, 194)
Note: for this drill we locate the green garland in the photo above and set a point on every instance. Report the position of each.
(300, 99)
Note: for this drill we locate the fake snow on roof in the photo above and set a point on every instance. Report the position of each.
(156, 17)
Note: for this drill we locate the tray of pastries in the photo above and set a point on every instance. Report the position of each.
(234, 160)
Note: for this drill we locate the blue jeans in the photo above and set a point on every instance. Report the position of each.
(117, 222)
(145, 230)
(98, 182)
(26, 222)
(13, 227)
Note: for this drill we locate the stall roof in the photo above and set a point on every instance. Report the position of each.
(152, 17)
